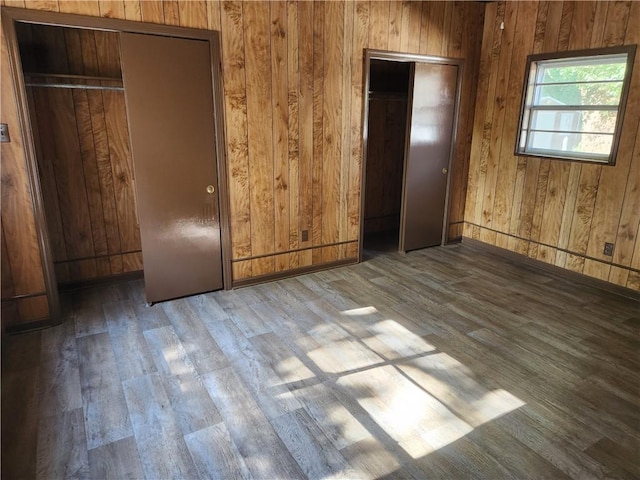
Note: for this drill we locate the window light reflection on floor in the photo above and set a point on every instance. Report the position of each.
(424, 400)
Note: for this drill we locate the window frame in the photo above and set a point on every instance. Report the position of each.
(532, 60)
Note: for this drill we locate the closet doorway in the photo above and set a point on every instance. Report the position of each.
(411, 108)
(123, 137)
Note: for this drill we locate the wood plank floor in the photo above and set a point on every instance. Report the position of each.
(443, 363)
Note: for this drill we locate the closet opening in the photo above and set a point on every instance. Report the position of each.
(387, 127)
(411, 117)
(76, 102)
(126, 166)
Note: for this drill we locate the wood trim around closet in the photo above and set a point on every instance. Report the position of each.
(10, 16)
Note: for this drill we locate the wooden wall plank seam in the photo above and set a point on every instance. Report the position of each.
(318, 17)
(293, 131)
(306, 127)
(260, 127)
(280, 133)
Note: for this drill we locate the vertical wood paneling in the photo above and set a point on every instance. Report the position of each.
(418, 12)
(627, 237)
(48, 5)
(293, 131)
(48, 182)
(435, 37)
(360, 36)
(193, 14)
(561, 212)
(260, 128)
(379, 25)
(85, 164)
(292, 79)
(581, 38)
(18, 221)
(484, 111)
(67, 165)
(171, 10)
(395, 25)
(385, 162)
(235, 99)
(121, 167)
(332, 125)
(494, 146)
(318, 143)
(79, 7)
(132, 10)
(345, 158)
(465, 46)
(112, 8)
(6, 283)
(306, 128)
(508, 164)
(280, 133)
(152, 11)
(213, 14)
(610, 194)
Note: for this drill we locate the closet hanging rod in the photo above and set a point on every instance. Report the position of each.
(74, 86)
(74, 77)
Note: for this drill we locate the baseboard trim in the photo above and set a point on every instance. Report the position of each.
(99, 281)
(32, 326)
(553, 269)
(271, 277)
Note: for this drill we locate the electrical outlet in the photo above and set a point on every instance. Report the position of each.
(608, 249)
(4, 133)
(305, 235)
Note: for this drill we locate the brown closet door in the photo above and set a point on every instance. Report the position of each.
(429, 133)
(168, 93)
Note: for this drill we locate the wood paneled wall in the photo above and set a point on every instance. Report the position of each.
(84, 159)
(292, 74)
(23, 287)
(555, 211)
(303, 171)
(385, 162)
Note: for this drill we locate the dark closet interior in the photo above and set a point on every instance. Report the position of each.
(387, 117)
(78, 116)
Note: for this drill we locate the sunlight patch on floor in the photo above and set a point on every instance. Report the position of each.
(451, 383)
(416, 420)
(360, 311)
(343, 356)
(422, 398)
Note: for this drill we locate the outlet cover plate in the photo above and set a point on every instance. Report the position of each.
(608, 249)
(4, 133)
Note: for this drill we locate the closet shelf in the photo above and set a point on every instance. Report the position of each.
(73, 81)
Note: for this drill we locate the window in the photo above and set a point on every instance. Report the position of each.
(573, 104)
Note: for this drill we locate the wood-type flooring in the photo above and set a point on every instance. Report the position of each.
(443, 363)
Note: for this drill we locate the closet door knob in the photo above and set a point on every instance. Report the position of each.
(444, 171)
(210, 189)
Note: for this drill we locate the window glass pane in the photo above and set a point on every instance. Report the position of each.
(571, 144)
(579, 94)
(571, 105)
(582, 70)
(591, 121)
